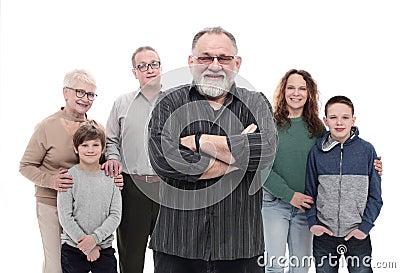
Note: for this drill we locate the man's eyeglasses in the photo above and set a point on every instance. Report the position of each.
(210, 59)
(80, 93)
(145, 67)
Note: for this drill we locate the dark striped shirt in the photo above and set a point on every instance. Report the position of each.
(220, 218)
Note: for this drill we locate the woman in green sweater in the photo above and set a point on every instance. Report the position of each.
(296, 112)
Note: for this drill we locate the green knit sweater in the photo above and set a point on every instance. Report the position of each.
(288, 173)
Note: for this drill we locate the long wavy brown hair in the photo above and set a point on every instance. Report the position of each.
(310, 110)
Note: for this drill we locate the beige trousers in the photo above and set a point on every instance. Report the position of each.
(50, 230)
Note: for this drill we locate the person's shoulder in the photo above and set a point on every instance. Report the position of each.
(314, 149)
(126, 97)
(104, 180)
(105, 177)
(252, 98)
(176, 90)
(54, 116)
(366, 144)
(360, 141)
(243, 92)
(74, 170)
(175, 94)
(49, 120)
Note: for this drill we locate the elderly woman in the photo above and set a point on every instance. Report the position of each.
(48, 156)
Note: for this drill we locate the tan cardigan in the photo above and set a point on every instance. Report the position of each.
(49, 150)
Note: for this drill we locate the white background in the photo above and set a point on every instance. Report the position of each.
(349, 47)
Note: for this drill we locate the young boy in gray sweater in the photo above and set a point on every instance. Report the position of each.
(90, 211)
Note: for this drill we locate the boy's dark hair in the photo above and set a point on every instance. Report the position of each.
(89, 130)
(339, 99)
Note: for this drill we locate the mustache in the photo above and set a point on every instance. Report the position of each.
(213, 73)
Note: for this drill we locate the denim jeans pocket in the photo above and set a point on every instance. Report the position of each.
(269, 199)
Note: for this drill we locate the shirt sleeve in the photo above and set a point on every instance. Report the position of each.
(113, 134)
(65, 215)
(168, 157)
(110, 224)
(256, 151)
(278, 186)
(374, 201)
(311, 188)
(33, 157)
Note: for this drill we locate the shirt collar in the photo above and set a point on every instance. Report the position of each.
(139, 92)
(69, 117)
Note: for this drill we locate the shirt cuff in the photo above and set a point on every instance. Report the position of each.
(365, 227)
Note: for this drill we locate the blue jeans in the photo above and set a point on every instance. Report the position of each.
(285, 224)
(328, 250)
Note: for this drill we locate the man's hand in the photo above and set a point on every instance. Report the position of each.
(249, 129)
(188, 141)
(112, 167)
(301, 201)
(119, 181)
(62, 181)
(357, 234)
(318, 230)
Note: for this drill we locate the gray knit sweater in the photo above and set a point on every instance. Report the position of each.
(91, 207)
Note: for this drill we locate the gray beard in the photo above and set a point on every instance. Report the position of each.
(214, 89)
(211, 90)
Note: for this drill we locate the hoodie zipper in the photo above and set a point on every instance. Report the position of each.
(340, 183)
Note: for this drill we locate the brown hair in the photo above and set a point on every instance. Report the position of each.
(140, 49)
(89, 130)
(310, 112)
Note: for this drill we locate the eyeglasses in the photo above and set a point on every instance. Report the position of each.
(80, 93)
(145, 67)
(210, 59)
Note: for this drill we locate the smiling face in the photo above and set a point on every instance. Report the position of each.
(296, 95)
(151, 77)
(90, 152)
(75, 106)
(339, 119)
(214, 79)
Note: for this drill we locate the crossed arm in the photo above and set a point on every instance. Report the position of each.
(221, 158)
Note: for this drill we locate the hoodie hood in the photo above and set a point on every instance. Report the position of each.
(326, 143)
